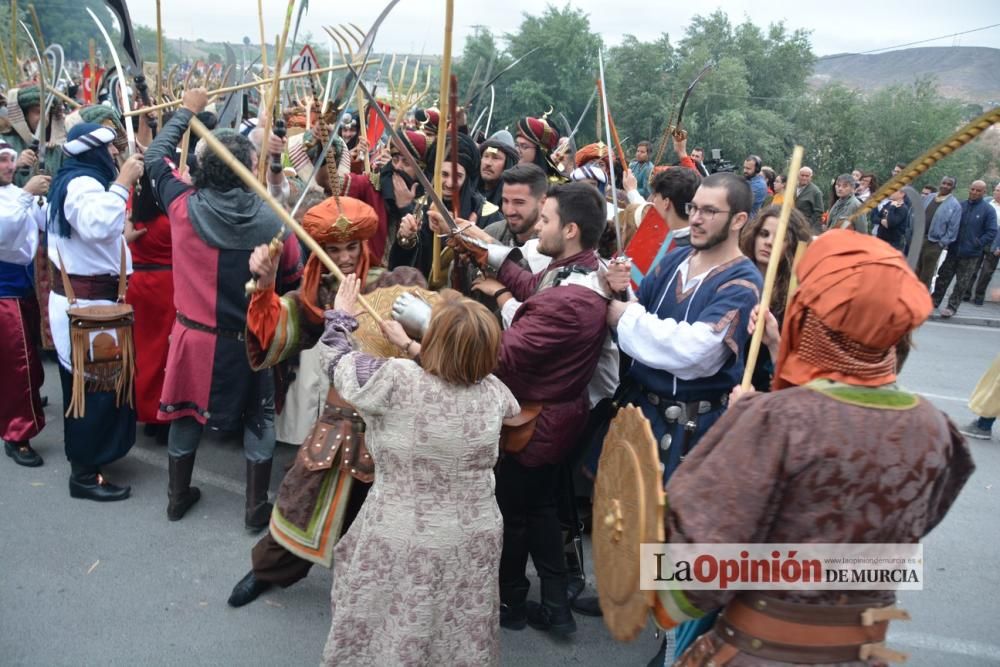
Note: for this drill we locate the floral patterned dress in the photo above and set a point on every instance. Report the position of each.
(416, 576)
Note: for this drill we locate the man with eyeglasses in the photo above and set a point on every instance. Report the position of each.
(688, 327)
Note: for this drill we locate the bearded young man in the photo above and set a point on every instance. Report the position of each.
(548, 355)
(688, 327)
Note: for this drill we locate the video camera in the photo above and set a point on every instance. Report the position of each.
(719, 164)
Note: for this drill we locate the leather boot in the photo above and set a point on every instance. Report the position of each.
(180, 494)
(553, 615)
(247, 590)
(258, 511)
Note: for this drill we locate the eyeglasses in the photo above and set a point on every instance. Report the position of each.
(708, 212)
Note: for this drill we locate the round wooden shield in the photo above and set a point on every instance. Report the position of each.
(369, 335)
(628, 510)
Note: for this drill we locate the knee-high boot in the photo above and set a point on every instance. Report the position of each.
(180, 494)
(258, 510)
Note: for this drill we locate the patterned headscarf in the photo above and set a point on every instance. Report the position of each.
(856, 299)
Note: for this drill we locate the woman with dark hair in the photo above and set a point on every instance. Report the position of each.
(868, 185)
(757, 243)
(416, 580)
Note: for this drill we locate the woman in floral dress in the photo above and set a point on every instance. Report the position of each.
(416, 576)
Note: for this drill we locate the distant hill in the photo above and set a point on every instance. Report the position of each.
(967, 73)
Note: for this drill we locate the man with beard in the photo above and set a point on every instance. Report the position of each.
(497, 155)
(415, 242)
(18, 127)
(688, 327)
(548, 356)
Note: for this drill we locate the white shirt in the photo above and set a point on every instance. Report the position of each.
(97, 220)
(686, 350)
(21, 218)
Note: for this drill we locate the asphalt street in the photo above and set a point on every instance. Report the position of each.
(117, 584)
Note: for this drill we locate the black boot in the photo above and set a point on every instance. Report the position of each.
(556, 619)
(180, 494)
(91, 485)
(513, 616)
(247, 590)
(258, 511)
(22, 453)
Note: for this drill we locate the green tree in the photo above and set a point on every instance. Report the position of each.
(67, 22)
(481, 51)
(560, 74)
(640, 88)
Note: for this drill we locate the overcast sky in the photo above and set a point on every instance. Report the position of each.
(417, 26)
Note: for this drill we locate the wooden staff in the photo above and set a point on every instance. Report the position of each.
(363, 132)
(73, 103)
(185, 146)
(251, 182)
(159, 62)
(13, 38)
(6, 67)
(263, 44)
(772, 268)
(436, 277)
(244, 86)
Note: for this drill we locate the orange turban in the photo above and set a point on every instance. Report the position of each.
(856, 299)
(592, 152)
(336, 220)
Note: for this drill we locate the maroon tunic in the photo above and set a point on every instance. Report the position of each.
(549, 353)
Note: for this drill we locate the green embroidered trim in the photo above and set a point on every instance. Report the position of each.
(889, 397)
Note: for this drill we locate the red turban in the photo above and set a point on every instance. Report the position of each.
(856, 299)
(539, 132)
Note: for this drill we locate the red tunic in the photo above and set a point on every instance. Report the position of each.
(151, 294)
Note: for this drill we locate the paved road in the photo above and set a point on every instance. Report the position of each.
(117, 584)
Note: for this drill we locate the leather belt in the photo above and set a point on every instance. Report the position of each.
(198, 326)
(763, 627)
(152, 267)
(698, 407)
(94, 288)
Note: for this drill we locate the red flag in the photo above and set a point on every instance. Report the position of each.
(88, 94)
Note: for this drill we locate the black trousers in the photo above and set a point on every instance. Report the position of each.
(528, 500)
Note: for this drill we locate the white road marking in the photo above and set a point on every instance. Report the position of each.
(968, 327)
(158, 460)
(941, 644)
(940, 397)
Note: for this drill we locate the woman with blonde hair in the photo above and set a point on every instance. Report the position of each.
(416, 580)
